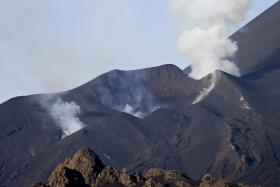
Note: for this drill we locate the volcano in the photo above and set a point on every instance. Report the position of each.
(148, 118)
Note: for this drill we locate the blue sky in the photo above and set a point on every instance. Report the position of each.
(54, 45)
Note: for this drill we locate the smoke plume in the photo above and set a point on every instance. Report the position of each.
(205, 92)
(65, 114)
(206, 25)
(127, 91)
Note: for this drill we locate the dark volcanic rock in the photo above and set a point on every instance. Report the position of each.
(169, 80)
(85, 162)
(88, 171)
(228, 134)
(63, 176)
(258, 42)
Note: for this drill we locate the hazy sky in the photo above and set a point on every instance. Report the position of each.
(52, 45)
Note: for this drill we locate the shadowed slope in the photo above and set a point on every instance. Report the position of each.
(258, 41)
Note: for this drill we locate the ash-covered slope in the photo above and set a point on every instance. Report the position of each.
(149, 118)
(29, 127)
(227, 133)
(258, 41)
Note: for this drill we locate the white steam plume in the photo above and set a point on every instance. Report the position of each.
(65, 114)
(206, 25)
(207, 90)
(130, 110)
(137, 113)
(127, 91)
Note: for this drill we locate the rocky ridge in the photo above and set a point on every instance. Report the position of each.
(85, 169)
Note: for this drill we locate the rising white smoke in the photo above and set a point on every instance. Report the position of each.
(130, 110)
(65, 114)
(127, 91)
(206, 25)
(205, 92)
(136, 112)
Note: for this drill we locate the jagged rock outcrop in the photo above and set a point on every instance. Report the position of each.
(63, 176)
(85, 169)
(86, 162)
(210, 181)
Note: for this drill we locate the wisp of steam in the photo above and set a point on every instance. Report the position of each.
(65, 114)
(206, 28)
(205, 92)
(127, 91)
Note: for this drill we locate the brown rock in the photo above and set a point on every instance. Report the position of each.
(210, 181)
(112, 176)
(87, 163)
(152, 183)
(85, 169)
(169, 177)
(65, 177)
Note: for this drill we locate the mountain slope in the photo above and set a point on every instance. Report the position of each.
(158, 117)
(258, 41)
(224, 134)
